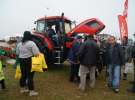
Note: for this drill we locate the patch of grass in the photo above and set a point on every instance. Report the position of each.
(54, 85)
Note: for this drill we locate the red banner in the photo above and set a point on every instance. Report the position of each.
(125, 12)
(123, 26)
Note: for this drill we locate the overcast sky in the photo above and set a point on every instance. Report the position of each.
(16, 16)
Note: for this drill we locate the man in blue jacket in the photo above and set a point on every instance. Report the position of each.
(73, 59)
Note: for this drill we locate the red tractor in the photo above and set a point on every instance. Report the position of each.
(54, 35)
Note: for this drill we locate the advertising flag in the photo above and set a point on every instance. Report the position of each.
(123, 26)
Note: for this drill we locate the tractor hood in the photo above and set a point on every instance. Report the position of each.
(91, 26)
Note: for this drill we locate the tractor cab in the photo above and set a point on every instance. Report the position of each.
(50, 36)
(54, 28)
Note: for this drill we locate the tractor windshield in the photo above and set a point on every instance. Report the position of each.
(42, 26)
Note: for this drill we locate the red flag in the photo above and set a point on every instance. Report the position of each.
(123, 26)
(125, 12)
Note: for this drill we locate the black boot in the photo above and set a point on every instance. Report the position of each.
(71, 79)
(124, 76)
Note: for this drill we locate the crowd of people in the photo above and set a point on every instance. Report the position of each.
(84, 57)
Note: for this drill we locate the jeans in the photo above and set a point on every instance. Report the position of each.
(114, 76)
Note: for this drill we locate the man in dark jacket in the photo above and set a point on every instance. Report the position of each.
(133, 56)
(127, 51)
(88, 57)
(114, 57)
